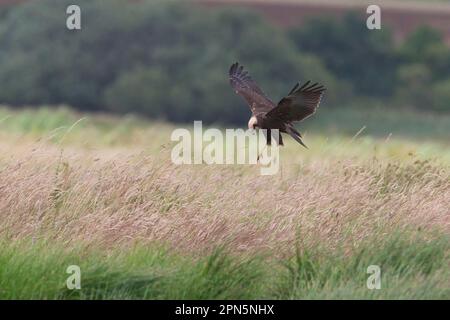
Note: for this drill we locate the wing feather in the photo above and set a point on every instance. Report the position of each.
(299, 104)
(246, 87)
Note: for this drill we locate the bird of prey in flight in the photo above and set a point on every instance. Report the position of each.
(300, 103)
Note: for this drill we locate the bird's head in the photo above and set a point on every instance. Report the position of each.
(253, 123)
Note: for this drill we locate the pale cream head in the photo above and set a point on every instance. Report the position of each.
(252, 122)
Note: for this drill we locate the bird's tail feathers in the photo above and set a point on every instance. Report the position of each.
(296, 135)
(291, 126)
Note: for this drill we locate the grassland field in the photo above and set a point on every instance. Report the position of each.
(100, 192)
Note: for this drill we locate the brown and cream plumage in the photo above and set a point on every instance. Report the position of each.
(300, 103)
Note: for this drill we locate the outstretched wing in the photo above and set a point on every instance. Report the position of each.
(244, 85)
(299, 104)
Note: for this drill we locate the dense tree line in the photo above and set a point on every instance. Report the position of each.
(170, 60)
(415, 73)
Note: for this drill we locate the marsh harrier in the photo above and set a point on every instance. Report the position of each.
(300, 103)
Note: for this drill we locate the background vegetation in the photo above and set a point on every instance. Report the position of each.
(169, 60)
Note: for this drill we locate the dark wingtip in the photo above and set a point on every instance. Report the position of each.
(233, 68)
(304, 85)
(308, 87)
(294, 88)
(312, 87)
(236, 69)
(302, 143)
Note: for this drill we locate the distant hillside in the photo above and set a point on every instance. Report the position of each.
(9, 2)
(402, 16)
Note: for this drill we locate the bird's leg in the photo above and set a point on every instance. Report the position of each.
(260, 154)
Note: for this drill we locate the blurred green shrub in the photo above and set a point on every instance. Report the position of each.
(362, 57)
(414, 74)
(161, 59)
(169, 59)
(413, 88)
(441, 96)
(425, 45)
(424, 71)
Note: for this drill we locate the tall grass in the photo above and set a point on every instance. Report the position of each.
(103, 194)
(410, 268)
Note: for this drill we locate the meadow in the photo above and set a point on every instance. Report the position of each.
(100, 191)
